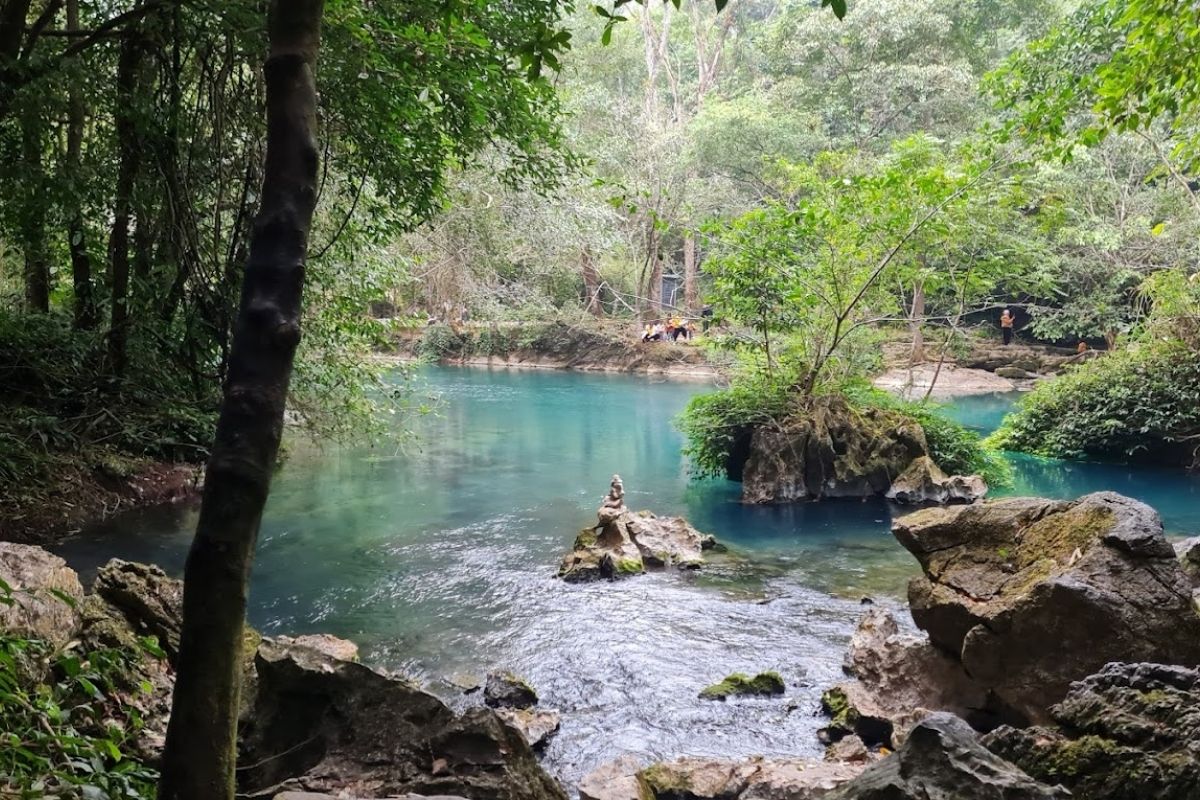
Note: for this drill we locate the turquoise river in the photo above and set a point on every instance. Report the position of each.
(438, 558)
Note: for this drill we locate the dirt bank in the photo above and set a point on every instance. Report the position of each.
(81, 495)
(594, 348)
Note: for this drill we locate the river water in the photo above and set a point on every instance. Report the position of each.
(438, 558)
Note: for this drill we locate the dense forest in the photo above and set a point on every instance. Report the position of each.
(825, 190)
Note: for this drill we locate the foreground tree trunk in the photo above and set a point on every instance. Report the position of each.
(200, 754)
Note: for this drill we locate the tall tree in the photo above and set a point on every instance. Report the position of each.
(200, 755)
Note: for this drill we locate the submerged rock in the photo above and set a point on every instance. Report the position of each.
(942, 760)
(624, 543)
(1129, 732)
(46, 594)
(925, 482)
(896, 680)
(831, 450)
(324, 725)
(1032, 594)
(764, 684)
(506, 690)
(698, 778)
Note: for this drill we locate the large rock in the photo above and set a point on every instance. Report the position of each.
(628, 543)
(697, 778)
(45, 594)
(324, 725)
(831, 450)
(896, 680)
(535, 725)
(1188, 551)
(506, 690)
(150, 601)
(1033, 594)
(924, 482)
(1129, 732)
(942, 760)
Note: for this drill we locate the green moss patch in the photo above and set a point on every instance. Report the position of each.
(764, 684)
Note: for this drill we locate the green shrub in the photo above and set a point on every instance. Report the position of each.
(717, 425)
(440, 341)
(1125, 405)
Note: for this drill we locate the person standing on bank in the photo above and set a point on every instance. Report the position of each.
(1006, 325)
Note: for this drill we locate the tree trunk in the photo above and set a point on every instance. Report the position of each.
(591, 284)
(200, 754)
(691, 276)
(654, 284)
(125, 126)
(33, 215)
(915, 319)
(81, 263)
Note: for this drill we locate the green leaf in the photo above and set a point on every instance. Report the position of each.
(64, 597)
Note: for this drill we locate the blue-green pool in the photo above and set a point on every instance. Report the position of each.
(438, 557)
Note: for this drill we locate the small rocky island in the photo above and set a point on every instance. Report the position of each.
(835, 450)
(625, 543)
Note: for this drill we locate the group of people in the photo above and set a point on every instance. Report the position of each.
(674, 329)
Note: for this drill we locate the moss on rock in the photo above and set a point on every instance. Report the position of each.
(764, 684)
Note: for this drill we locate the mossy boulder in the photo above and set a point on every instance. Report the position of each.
(1129, 732)
(506, 690)
(764, 684)
(1031, 594)
(943, 760)
(831, 449)
(626, 544)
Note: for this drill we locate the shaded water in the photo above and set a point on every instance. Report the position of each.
(439, 559)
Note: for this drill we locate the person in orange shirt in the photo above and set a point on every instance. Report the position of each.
(1006, 325)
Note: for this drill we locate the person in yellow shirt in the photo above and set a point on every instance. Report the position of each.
(1006, 325)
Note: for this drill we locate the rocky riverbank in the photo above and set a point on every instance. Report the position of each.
(595, 347)
(1055, 651)
(313, 718)
(988, 368)
(1076, 617)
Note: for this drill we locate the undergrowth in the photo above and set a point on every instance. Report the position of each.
(70, 717)
(58, 405)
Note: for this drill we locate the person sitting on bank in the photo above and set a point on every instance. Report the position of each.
(1006, 325)
(647, 332)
